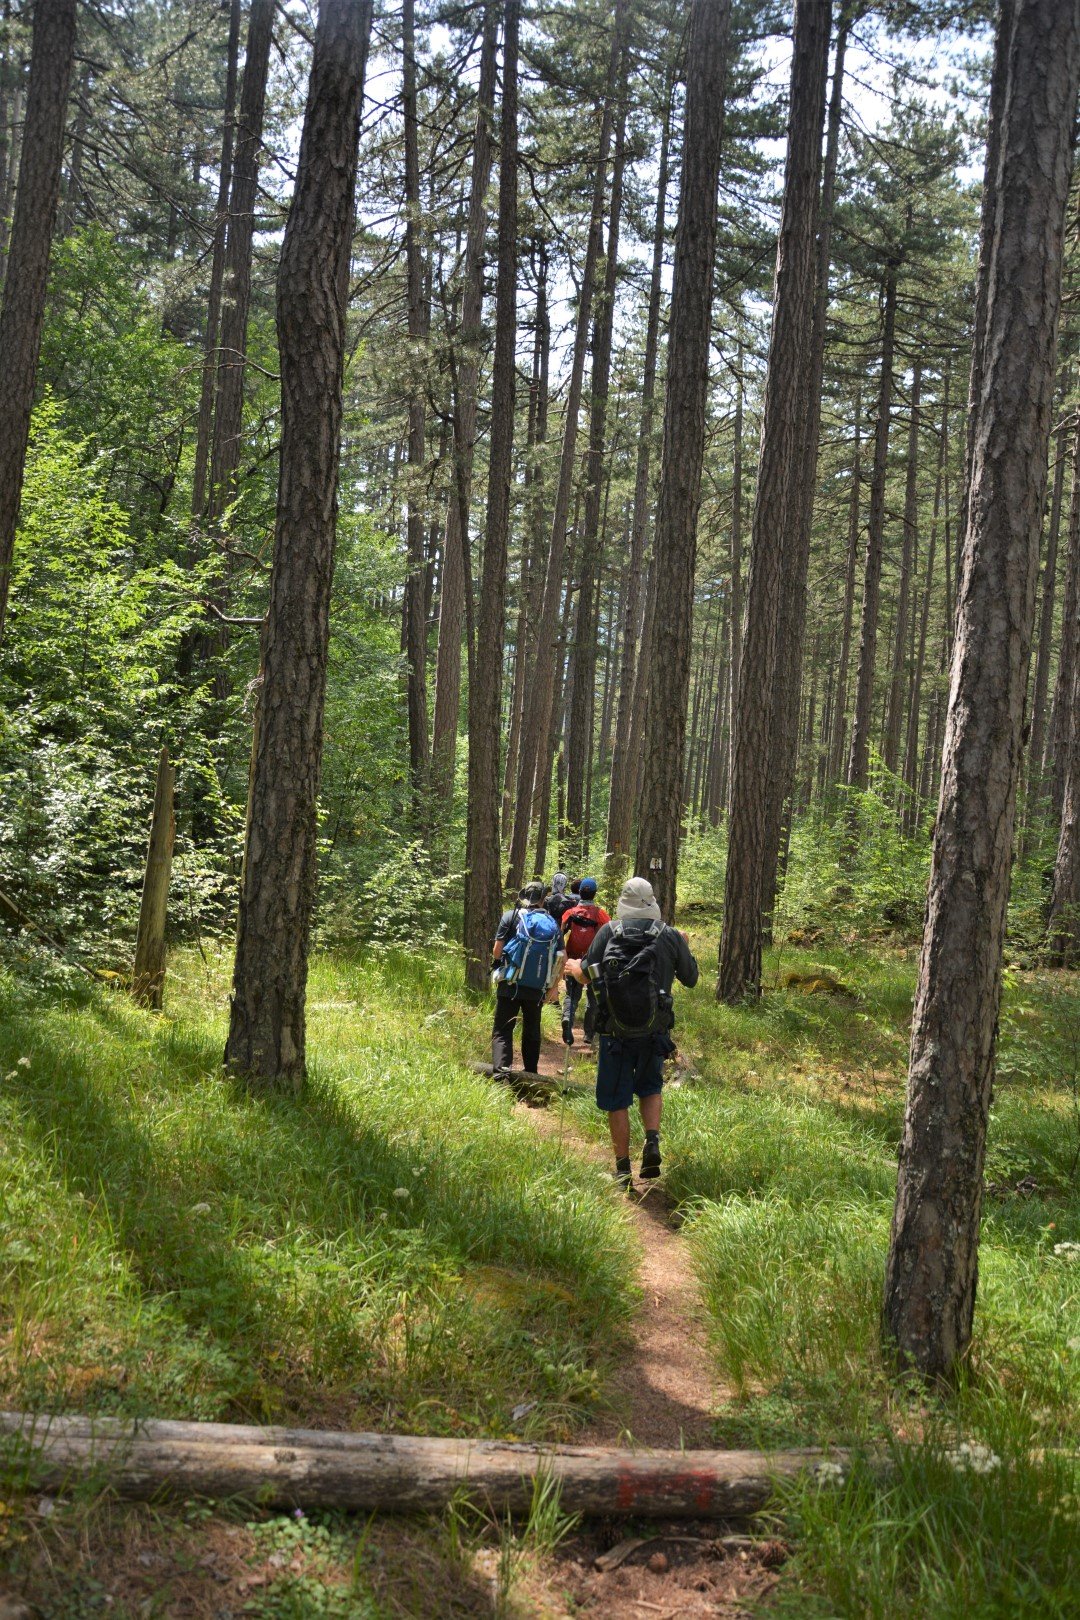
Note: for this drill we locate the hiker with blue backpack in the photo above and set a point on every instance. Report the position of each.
(633, 963)
(528, 959)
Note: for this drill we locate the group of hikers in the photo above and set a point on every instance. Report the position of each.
(625, 967)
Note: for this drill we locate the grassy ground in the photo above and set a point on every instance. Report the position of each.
(397, 1249)
(391, 1248)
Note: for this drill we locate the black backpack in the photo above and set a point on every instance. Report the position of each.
(634, 1004)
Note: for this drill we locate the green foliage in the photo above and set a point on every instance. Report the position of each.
(128, 385)
(88, 693)
(855, 871)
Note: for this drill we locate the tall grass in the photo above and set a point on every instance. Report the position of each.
(393, 1247)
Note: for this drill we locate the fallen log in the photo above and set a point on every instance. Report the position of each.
(388, 1473)
(524, 1083)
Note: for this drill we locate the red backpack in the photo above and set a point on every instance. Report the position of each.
(583, 923)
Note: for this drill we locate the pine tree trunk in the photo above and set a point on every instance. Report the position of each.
(483, 884)
(579, 746)
(1063, 916)
(148, 972)
(414, 623)
(735, 660)
(22, 314)
(839, 715)
(913, 808)
(621, 801)
(452, 601)
(267, 1015)
(532, 574)
(1057, 741)
(236, 297)
(541, 680)
(895, 700)
(780, 489)
(675, 547)
(859, 759)
(786, 675)
(205, 421)
(933, 1252)
(1046, 629)
(9, 82)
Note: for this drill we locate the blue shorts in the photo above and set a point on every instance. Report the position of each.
(629, 1068)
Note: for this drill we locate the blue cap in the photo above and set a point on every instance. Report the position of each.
(587, 888)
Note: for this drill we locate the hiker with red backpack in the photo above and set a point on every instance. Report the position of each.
(580, 925)
(633, 963)
(527, 959)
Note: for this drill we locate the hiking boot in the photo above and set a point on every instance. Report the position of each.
(567, 1032)
(650, 1156)
(501, 1077)
(624, 1176)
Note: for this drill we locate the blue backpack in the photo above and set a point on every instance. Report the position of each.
(529, 955)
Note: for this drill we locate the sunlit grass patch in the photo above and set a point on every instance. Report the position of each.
(174, 1242)
(975, 1524)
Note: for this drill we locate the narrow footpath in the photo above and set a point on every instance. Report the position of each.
(665, 1392)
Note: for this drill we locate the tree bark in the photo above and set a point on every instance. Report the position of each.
(483, 885)
(456, 541)
(933, 1252)
(895, 701)
(390, 1473)
(859, 758)
(266, 1021)
(1063, 916)
(1057, 742)
(541, 682)
(786, 678)
(839, 715)
(1046, 629)
(205, 422)
(911, 754)
(580, 741)
(780, 488)
(22, 314)
(621, 799)
(414, 622)
(148, 973)
(675, 546)
(236, 296)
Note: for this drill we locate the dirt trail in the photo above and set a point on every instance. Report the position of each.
(665, 1393)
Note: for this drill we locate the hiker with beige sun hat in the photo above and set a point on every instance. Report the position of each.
(632, 964)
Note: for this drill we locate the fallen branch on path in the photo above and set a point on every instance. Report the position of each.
(533, 1087)
(388, 1473)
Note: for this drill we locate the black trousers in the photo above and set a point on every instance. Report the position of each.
(502, 1033)
(570, 1006)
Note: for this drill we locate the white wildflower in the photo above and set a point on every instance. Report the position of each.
(1067, 1251)
(829, 1473)
(418, 1169)
(402, 1192)
(1072, 1344)
(971, 1457)
(23, 1063)
(200, 1209)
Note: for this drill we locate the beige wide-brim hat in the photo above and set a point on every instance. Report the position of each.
(637, 900)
